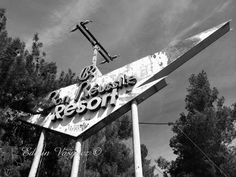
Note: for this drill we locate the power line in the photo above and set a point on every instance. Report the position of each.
(156, 123)
(222, 172)
(172, 123)
(151, 123)
(163, 123)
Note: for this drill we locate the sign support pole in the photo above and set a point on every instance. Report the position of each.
(171, 58)
(95, 55)
(136, 140)
(85, 145)
(76, 159)
(37, 155)
(82, 168)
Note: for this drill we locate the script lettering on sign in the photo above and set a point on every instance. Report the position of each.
(84, 108)
(89, 97)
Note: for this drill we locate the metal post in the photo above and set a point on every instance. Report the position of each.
(79, 162)
(37, 155)
(95, 55)
(136, 140)
(76, 158)
(83, 160)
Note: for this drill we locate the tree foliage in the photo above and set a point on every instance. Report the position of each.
(26, 76)
(116, 158)
(203, 135)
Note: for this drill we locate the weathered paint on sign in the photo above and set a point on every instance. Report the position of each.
(85, 113)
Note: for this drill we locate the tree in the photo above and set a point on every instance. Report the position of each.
(26, 76)
(148, 170)
(116, 158)
(163, 164)
(204, 134)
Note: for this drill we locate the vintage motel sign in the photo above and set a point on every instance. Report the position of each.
(84, 108)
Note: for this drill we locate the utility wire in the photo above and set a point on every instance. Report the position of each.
(172, 123)
(151, 123)
(202, 151)
(162, 123)
(154, 123)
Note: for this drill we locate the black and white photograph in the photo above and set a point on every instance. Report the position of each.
(118, 88)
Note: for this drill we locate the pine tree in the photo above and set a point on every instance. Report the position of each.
(26, 76)
(148, 170)
(204, 134)
(116, 158)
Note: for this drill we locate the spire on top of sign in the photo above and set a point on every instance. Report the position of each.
(94, 42)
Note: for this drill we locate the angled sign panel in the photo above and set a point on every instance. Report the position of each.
(84, 108)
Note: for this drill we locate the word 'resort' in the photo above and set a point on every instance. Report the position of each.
(93, 98)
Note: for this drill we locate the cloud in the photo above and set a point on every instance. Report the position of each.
(142, 22)
(173, 14)
(175, 9)
(185, 31)
(223, 6)
(62, 19)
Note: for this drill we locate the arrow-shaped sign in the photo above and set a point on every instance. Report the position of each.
(91, 105)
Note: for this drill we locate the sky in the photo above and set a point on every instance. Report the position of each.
(134, 29)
